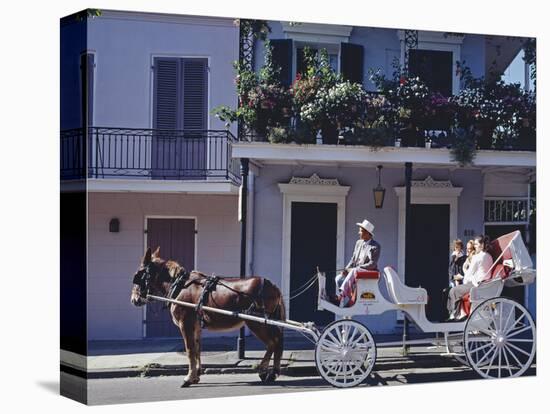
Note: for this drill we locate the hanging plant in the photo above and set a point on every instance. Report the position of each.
(463, 147)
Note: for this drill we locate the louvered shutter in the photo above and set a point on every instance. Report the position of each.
(195, 97)
(351, 62)
(167, 94)
(282, 56)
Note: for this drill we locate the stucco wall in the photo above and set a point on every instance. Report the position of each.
(267, 260)
(125, 43)
(114, 257)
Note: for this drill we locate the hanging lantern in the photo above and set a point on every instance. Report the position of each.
(379, 191)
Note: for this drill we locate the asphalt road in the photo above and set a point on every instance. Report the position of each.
(129, 390)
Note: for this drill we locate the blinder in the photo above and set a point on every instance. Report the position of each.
(142, 279)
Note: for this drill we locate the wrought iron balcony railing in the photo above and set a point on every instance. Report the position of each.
(98, 152)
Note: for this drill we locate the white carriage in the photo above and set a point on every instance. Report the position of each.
(497, 339)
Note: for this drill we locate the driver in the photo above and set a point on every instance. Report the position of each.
(365, 256)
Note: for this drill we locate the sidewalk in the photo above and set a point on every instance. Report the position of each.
(116, 359)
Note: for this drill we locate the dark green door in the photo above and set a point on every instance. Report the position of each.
(313, 243)
(428, 255)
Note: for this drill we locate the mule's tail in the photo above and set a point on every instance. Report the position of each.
(279, 312)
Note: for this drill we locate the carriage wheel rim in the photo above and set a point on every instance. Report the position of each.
(345, 353)
(494, 347)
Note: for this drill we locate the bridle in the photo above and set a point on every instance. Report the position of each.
(142, 278)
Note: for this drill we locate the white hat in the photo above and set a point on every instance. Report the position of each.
(367, 225)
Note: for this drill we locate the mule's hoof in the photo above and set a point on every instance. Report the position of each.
(271, 376)
(263, 376)
(188, 382)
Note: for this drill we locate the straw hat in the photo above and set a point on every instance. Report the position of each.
(367, 225)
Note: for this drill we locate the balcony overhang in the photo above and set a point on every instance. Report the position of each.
(115, 185)
(348, 155)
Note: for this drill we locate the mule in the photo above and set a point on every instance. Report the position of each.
(255, 295)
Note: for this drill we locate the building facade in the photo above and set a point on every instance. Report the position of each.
(138, 90)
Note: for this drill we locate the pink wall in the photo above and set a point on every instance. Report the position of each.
(114, 257)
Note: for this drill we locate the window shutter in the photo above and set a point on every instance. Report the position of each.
(166, 105)
(351, 62)
(282, 56)
(195, 99)
(434, 67)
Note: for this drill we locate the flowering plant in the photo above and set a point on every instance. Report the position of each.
(263, 102)
(341, 105)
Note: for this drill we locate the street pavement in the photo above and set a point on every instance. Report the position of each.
(125, 372)
(164, 388)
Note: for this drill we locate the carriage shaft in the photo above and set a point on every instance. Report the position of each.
(297, 326)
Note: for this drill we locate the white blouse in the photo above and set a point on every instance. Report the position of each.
(479, 266)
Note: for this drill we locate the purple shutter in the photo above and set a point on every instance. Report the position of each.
(167, 94)
(195, 93)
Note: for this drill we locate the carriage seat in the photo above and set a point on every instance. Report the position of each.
(400, 293)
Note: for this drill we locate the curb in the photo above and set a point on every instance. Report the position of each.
(157, 370)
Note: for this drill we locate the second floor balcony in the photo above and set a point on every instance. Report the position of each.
(98, 153)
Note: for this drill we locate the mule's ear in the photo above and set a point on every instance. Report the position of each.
(156, 253)
(147, 257)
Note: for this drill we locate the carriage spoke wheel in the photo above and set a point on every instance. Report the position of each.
(345, 353)
(500, 339)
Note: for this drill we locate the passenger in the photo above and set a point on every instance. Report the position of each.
(365, 256)
(456, 272)
(470, 251)
(477, 270)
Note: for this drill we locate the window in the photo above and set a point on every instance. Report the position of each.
(180, 93)
(433, 67)
(333, 54)
(433, 59)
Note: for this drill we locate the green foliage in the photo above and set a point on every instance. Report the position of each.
(463, 148)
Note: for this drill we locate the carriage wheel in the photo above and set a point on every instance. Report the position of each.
(345, 353)
(500, 339)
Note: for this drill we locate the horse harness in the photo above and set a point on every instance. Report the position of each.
(210, 285)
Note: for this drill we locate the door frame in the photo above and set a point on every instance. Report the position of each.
(168, 217)
(427, 191)
(312, 190)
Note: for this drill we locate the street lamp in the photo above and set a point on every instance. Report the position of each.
(379, 191)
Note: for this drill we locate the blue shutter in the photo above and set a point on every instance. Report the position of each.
(167, 105)
(195, 98)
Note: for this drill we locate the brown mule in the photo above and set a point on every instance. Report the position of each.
(156, 276)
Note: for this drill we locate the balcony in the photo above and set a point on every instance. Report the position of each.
(148, 154)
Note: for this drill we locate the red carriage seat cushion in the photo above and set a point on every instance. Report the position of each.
(367, 274)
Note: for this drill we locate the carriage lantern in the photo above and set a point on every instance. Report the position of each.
(379, 191)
